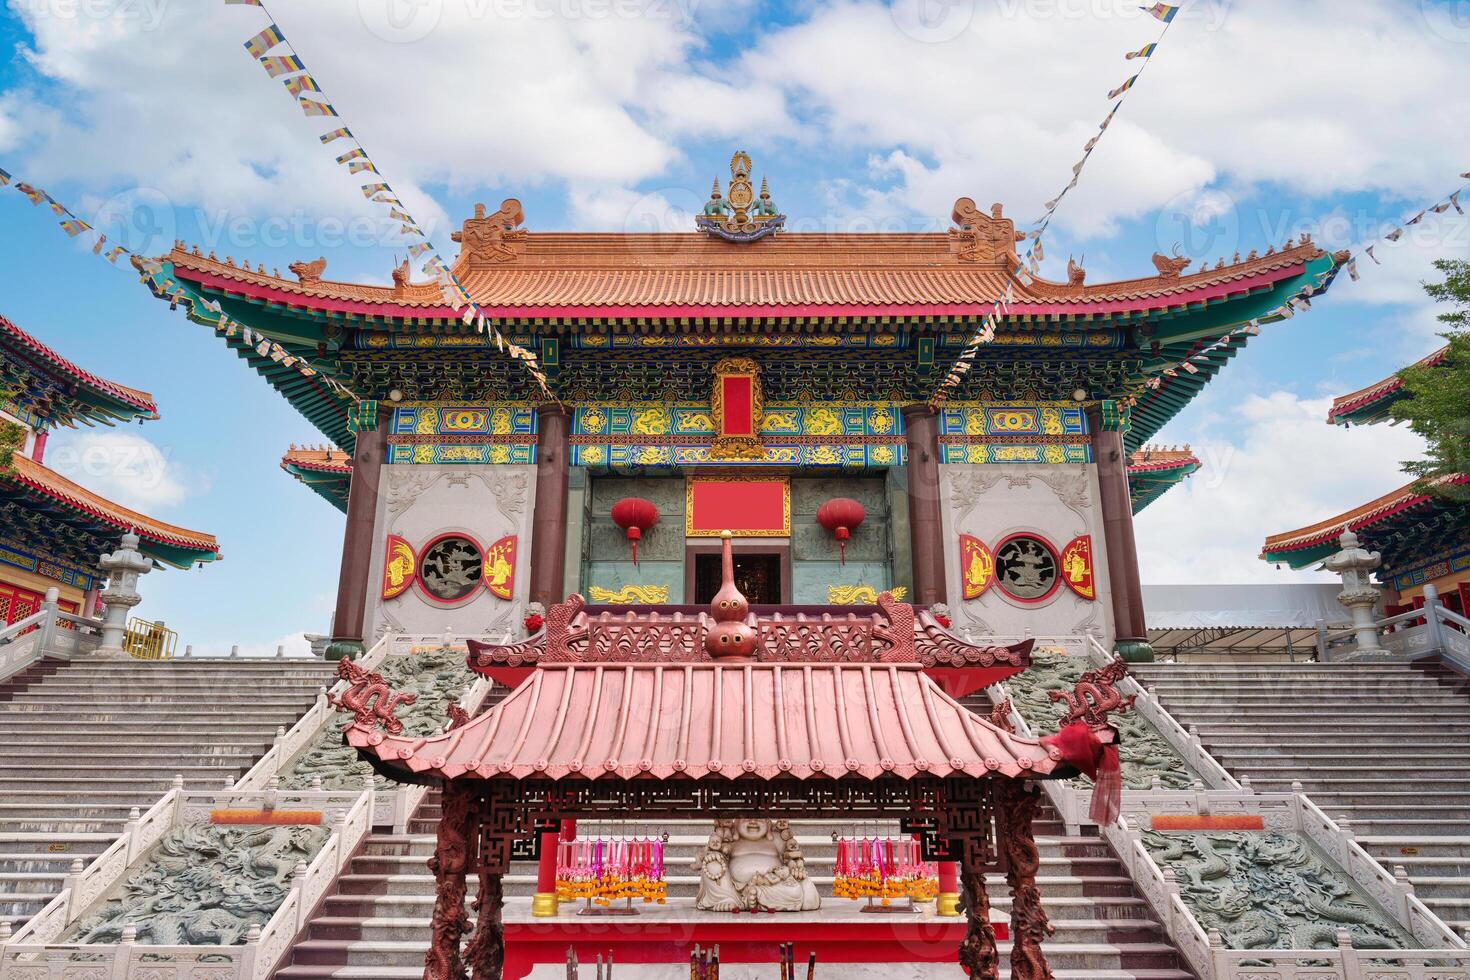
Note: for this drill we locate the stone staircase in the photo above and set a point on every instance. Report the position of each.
(83, 742)
(375, 924)
(1384, 745)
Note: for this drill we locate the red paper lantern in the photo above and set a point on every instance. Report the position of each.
(840, 515)
(634, 515)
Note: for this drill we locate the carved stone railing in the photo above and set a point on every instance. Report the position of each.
(1289, 813)
(1292, 812)
(35, 952)
(48, 632)
(1433, 630)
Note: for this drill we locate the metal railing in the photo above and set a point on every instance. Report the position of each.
(145, 640)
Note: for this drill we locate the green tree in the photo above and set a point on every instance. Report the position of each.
(1438, 402)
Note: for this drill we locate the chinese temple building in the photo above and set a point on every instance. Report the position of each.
(52, 530)
(779, 385)
(1424, 539)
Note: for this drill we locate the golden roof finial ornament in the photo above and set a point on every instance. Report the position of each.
(740, 216)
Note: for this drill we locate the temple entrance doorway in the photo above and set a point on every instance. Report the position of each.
(757, 574)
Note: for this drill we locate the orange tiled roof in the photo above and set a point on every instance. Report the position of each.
(1161, 458)
(328, 459)
(1346, 404)
(33, 475)
(1374, 510)
(561, 273)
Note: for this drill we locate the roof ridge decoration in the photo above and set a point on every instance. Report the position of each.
(894, 634)
(986, 239)
(740, 216)
(491, 240)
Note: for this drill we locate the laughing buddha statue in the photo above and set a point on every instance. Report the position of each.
(754, 866)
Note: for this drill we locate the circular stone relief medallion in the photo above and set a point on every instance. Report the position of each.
(451, 567)
(1026, 568)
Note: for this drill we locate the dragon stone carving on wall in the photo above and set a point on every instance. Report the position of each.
(204, 886)
(1270, 891)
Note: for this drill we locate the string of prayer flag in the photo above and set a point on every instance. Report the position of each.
(307, 91)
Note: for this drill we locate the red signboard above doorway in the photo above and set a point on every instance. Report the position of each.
(747, 508)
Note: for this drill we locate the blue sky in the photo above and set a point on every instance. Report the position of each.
(1255, 122)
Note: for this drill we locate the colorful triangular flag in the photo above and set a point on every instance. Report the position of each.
(264, 41)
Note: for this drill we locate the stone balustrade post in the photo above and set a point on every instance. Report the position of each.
(1352, 967)
(50, 606)
(1432, 605)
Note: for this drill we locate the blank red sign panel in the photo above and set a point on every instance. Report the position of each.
(739, 506)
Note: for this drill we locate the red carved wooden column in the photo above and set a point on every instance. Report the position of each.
(368, 457)
(978, 951)
(549, 519)
(453, 857)
(926, 532)
(1111, 458)
(1018, 802)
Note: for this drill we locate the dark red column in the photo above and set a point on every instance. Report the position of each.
(357, 539)
(1122, 551)
(549, 519)
(926, 533)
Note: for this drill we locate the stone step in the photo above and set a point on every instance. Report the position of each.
(1307, 697)
(415, 929)
(30, 883)
(684, 885)
(107, 756)
(676, 971)
(1394, 849)
(1090, 956)
(1325, 800)
(227, 697)
(1455, 887)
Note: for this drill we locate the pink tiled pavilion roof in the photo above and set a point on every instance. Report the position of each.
(737, 720)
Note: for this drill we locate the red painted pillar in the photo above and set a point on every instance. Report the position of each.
(949, 889)
(549, 517)
(926, 534)
(545, 903)
(1111, 459)
(357, 539)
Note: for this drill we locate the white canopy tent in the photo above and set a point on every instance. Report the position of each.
(1218, 622)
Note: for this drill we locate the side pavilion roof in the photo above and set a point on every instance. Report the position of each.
(58, 391)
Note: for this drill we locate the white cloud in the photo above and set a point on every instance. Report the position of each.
(1280, 468)
(1319, 96)
(124, 467)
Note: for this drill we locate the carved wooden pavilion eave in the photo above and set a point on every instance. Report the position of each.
(544, 286)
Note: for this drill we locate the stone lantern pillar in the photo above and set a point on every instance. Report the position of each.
(123, 567)
(1359, 595)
